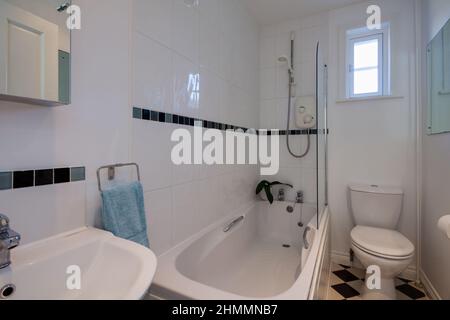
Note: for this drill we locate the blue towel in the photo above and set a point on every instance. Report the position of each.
(124, 212)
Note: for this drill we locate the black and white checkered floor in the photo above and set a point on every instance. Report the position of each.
(346, 283)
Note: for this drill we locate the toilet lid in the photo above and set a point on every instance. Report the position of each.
(382, 242)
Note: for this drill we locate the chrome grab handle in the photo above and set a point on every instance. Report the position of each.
(306, 244)
(232, 224)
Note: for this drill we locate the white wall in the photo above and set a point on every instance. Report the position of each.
(167, 41)
(436, 171)
(372, 142)
(275, 42)
(218, 42)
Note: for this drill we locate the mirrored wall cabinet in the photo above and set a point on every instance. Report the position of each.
(438, 54)
(35, 60)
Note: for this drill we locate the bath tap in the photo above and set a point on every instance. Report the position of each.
(281, 195)
(9, 239)
(300, 197)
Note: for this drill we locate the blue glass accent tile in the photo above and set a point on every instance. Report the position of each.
(137, 113)
(5, 180)
(78, 174)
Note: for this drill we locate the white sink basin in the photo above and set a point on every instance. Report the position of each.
(111, 268)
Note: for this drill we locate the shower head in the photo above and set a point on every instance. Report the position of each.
(285, 60)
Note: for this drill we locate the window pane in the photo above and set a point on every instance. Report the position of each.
(366, 54)
(366, 81)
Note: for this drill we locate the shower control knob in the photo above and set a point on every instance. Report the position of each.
(308, 119)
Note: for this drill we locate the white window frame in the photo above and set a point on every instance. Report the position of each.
(361, 35)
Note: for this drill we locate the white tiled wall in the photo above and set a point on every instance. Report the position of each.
(196, 59)
(275, 42)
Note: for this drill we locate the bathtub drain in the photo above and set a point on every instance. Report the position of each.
(7, 291)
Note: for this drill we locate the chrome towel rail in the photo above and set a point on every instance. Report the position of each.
(112, 172)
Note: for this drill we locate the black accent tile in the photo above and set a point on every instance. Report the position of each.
(43, 177)
(145, 114)
(345, 275)
(175, 119)
(23, 179)
(346, 291)
(6, 180)
(192, 122)
(62, 175)
(411, 292)
(154, 116)
(137, 113)
(162, 117)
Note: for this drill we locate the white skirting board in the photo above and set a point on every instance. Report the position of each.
(429, 288)
(344, 258)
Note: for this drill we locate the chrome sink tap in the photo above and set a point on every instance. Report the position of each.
(9, 239)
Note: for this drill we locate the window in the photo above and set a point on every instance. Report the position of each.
(368, 62)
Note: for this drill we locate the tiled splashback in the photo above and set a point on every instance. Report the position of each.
(275, 42)
(40, 177)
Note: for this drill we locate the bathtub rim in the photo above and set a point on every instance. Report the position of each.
(169, 283)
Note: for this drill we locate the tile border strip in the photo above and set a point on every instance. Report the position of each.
(163, 117)
(20, 179)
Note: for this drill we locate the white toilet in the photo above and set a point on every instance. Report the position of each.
(376, 211)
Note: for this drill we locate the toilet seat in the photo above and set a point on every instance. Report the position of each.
(383, 243)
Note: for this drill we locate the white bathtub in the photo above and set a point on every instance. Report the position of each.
(262, 257)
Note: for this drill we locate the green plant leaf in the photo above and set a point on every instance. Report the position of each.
(261, 186)
(277, 183)
(269, 195)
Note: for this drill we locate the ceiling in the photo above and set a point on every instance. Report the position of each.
(269, 12)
